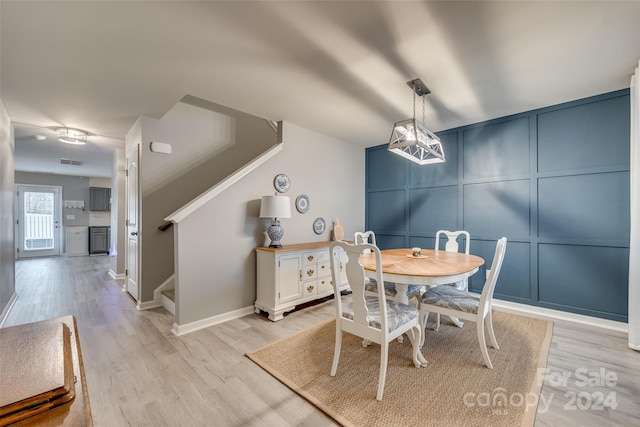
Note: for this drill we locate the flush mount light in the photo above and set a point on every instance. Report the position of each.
(72, 136)
(40, 137)
(411, 139)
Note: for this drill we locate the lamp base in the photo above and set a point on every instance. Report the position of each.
(275, 233)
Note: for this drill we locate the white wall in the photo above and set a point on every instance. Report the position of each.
(217, 262)
(118, 214)
(7, 240)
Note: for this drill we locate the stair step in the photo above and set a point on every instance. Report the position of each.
(169, 300)
(170, 293)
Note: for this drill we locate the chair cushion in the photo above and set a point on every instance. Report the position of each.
(397, 314)
(450, 297)
(390, 289)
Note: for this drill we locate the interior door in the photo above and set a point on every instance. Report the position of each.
(132, 223)
(38, 227)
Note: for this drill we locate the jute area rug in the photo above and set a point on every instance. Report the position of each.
(456, 389)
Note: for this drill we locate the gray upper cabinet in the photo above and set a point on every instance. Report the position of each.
(99, 199)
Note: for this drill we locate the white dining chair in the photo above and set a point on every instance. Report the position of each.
(373, 318)
(451, 301)
(451, 245)
(371, 287)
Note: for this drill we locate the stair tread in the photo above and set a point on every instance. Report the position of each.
(170, 293)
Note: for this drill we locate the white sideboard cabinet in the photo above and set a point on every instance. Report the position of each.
(292, 275)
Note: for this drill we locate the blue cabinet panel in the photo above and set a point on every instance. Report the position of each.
(497, 208)
(595, 134)
(439, 173)
(384, 169)
(497, 149)
(593, 206)
(432, 209)
(386, 211)
(589, 279)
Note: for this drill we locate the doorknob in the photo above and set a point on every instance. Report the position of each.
(134, 233)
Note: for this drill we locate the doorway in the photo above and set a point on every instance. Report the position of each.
(38, 228)
(132, 224)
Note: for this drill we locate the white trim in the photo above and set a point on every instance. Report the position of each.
(514, 307)
(7, 308)
(199, 201)
(180, 330)
(116, 276)
(149, 304)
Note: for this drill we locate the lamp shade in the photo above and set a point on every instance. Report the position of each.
(412, 140)
(275, 207)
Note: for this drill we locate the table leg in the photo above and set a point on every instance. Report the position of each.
(401, 296)
(456, 321)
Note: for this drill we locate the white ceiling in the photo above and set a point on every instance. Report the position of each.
(337, 67)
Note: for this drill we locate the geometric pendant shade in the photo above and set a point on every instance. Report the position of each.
(411, 139)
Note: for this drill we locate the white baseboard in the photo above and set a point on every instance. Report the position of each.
(179, 330)
(116, 276)
(7, 308)
(518, 308)
(149, 304)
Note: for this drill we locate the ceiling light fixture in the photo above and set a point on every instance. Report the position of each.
(72, 136)
(411, 139)
(40, 137)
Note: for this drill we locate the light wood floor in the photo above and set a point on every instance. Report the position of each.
(139, 374)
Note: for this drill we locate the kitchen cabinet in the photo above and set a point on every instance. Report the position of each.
(99, 239)
(99, 199)
(292, 275)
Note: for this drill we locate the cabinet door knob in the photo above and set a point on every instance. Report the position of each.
(310, 257)
(309, 272)
(134, 233)
(309, 288)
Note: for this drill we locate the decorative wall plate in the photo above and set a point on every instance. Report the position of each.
(319, 225)
(282, 183)
(303, 203)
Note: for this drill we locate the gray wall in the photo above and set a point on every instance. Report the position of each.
(209, 142)
(555, 181)
(118, 216)
(217, 242)
(7, 241)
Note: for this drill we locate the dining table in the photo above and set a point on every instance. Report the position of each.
(430, 268)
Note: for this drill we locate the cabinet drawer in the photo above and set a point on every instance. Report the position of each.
(324, 269)
(314, 257)
(324, 284)
(310, 287)
(309, 272)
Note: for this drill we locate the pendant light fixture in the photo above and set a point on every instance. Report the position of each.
(72, 136)
(411, 139)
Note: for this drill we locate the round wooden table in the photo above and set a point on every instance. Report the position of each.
(430, 269)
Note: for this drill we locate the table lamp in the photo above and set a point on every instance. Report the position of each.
(275, 207)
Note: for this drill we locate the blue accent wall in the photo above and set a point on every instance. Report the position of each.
(555, 181)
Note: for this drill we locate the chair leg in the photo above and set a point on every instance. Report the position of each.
(336, 353)
(492, 335)
(483, 344)
(384, 356)
(424, 316)
(437, 322)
